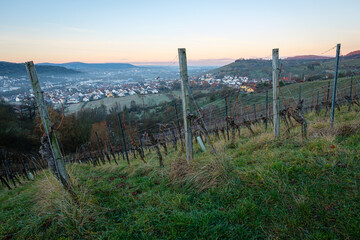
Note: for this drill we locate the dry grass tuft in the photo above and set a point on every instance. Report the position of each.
(322, 129)
(261, 140)
(347, 129)
(200, 175)
(54, 203)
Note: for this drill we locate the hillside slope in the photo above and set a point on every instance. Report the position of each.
(310, 69)
(264, 189)
(8, 68)
(92, 66)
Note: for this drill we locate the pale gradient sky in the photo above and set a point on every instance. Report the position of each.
(141, 31)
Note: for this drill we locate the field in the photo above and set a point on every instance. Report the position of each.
(263, 189)
(150, 100)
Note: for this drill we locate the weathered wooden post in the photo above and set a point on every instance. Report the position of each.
(141, 143)
(266, 108)
(317, 97)
(254, 108)
(328, 92)
(91, 157)
(275, 75)
(123, 139)
(185, 103)
(333, 103)
(178, 125)
(56, 161)
(174, 137)
(100, 151)
(350, 95)
(226, 117)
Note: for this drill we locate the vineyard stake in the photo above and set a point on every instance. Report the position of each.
(123, 138)
(178, 125)
(275, 75)
(333, 103)
(227, 122)
(267, 107)
(350, 97)
(185, 103)
(100, 149)
(59, 170)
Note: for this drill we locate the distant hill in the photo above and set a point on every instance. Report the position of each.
(308, 67)
(9, 68)
(92, 66)
(307, 57)
(357, 52)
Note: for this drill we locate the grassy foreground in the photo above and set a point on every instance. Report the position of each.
(263, 189)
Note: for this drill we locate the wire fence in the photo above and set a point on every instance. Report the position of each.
(223, 115)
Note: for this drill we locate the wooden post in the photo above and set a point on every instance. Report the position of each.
(185, 102)
(328, 92)
(174, 138)
(333, 103)
(299, 92)
(123, 138)
(350, 96)
(317, 98)
(178, 125)
(227, 121)
(8, 171)
(275, 75)
(254, 108)
(100, 148)
(91, 158)
(141, 143)
(84, 153)
(266, 108)
(241, 112)
(59, 169)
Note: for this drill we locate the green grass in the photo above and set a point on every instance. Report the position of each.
(264, 189)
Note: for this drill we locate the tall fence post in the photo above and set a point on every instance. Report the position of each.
(350, 95)
(328, 92)
(227, 122)
(178, 125)
(266, 108)
(333, 103)
(275, 75)
(101, 154)
(140, 140)
(185, 103)
(254, 108)
(123, 138)
(317, 98)
(57, 165)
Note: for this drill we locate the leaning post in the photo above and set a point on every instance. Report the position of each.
(56, 165)
(185, 103)
(333, 100)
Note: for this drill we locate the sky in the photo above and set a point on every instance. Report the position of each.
(151, 31)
